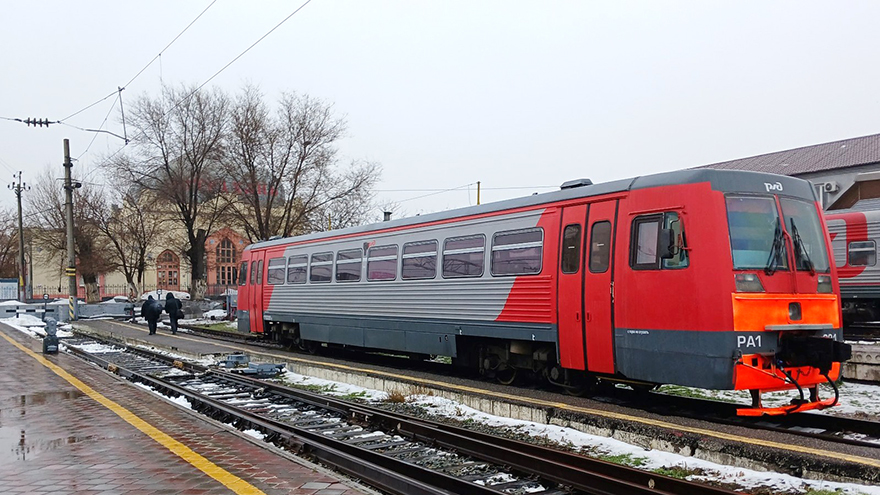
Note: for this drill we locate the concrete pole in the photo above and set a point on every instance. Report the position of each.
(71, 252)
(17, 188)
(478, 192)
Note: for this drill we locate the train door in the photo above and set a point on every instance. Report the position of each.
(599, 287)
(572, 351)
(255, 293)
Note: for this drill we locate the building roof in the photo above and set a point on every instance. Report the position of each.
(816, 158)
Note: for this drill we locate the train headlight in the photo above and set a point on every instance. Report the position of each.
(748, 282)
(824, 284)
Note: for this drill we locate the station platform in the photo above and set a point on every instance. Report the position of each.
(67, 427)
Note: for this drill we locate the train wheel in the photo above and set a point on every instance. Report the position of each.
(311, 346)
(506, 376)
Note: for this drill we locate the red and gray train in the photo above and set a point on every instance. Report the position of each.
(854, 237)
(715, 279)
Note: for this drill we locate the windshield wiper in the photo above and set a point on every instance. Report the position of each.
(800, 250)
(775, 250)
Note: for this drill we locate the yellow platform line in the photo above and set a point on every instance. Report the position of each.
(568, 407)
(228, 479)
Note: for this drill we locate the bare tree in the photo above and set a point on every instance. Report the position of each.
(130, 231)
(93, 257)
(285, 167)
(177, 147)
(8, 244)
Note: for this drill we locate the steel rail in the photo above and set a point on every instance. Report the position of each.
(566, 469)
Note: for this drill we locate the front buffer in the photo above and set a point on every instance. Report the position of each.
(786, 342)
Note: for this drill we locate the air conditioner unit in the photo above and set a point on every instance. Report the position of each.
(832, 186)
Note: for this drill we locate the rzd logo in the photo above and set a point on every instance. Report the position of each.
(776, 186)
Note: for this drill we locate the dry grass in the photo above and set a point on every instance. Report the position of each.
(400, 396)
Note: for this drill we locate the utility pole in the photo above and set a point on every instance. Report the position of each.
(69, 186)
(18, 188)
(478, 192)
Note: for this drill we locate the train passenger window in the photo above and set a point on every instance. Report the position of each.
(348, 265)
(571, 249)
(259, 272)
(275, 271)
(463, 256)
(242, 273)
(322, 268)
(600, 246)
(862, 253)
(253, 278)
(517, 252)
(419, 260)
(296, 269)
(382, 263)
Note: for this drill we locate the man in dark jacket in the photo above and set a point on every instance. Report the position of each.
(174, 308)
(151, 310)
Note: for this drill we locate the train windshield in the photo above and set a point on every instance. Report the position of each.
(802, 223)
(756, 240)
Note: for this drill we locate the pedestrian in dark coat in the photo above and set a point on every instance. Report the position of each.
(151, 310)
(174, 308)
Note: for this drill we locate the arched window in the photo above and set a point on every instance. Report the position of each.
(168, 271)
(227, 269)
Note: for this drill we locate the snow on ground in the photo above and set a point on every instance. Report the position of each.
(161, 294)
(592, 445)
(856, 399)
(214, 314)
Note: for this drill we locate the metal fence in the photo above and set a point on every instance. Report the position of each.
(214, 291)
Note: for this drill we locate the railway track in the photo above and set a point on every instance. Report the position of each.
(392, 452)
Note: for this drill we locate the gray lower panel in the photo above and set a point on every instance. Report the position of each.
(417, 336)
(691, 358)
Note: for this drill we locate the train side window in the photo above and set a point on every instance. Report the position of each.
(253, 278)
(463, 256)
(382, 263)
(322, 268)
(680, 258)
(517, 252)
(643, 244)
(296, 269)
(275, 271)
(600, 246)
(242, 273)
(571, 249)
(862, 253)
(259, 272)
(348, 265)
(419, 260)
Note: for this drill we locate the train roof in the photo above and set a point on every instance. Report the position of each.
(721, 180)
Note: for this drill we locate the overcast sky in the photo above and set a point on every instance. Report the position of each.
(446, 93)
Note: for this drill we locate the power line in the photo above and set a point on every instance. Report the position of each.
(158, 55)
(239, 56)
(438, 192)
(146, 66)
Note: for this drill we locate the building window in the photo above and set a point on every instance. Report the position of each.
(226, 262)
(348, 265)
(419, 260)
(463, 256)
(382, 263)
(296, 269)
(168, 271)
(517, 252)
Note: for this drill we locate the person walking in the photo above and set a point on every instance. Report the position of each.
(174, 308)
(151, 310)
